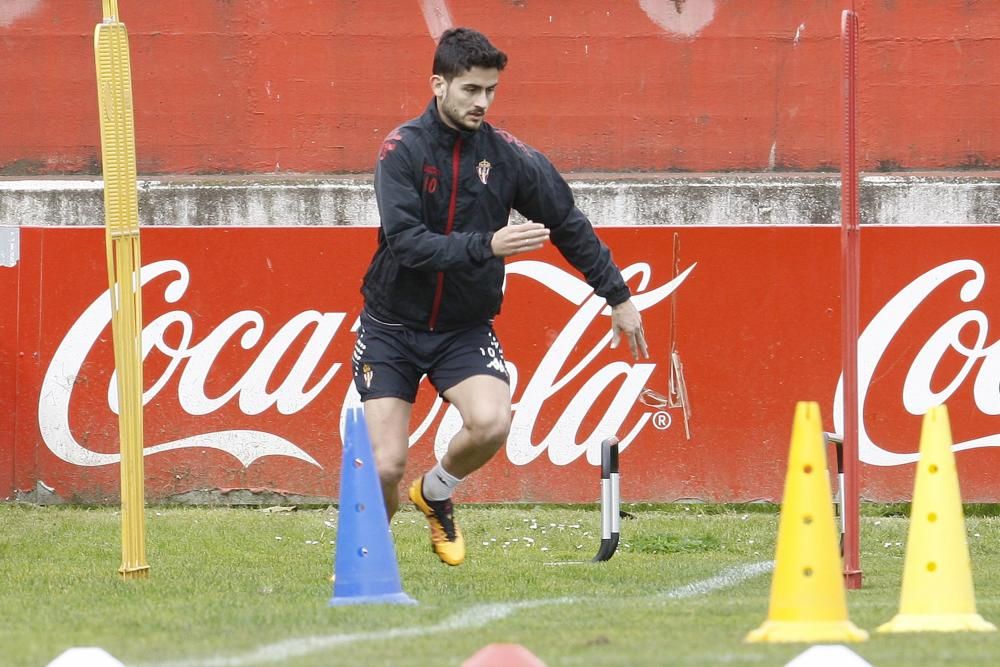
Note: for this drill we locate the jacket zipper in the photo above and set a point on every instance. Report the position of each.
(452, 203)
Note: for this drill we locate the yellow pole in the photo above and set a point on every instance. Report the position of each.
(121, 215)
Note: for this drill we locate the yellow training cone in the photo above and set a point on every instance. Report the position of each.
(808, 601)
(937, 592)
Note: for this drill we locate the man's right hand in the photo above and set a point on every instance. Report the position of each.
(515, 239)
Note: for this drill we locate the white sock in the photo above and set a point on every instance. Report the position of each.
(439, 483)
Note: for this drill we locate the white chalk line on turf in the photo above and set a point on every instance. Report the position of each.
(725, 579)
(473, 617)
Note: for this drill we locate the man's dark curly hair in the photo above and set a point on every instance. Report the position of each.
(461, 49)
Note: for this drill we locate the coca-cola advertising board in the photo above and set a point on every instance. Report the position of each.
(248, 334)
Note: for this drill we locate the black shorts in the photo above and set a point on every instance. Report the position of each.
(389, 360)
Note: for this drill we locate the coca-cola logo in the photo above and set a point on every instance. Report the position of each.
(192, 356)
(918, 393)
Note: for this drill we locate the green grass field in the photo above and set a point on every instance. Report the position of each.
(250, 587)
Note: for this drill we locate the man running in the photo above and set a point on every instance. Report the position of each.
(445, 184)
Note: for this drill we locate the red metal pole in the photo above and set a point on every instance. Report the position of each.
(850, 237)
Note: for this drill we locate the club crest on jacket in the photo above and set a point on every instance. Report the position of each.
(483, 169)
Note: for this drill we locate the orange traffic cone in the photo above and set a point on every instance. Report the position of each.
(937, 593)
(808, 600)
(503, 655)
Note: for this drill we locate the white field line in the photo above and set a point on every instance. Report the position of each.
(725, 579)
(473, 617)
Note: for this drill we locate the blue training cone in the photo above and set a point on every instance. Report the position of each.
(365, 566)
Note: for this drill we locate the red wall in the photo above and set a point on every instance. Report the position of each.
(248, 335)
(263, 86)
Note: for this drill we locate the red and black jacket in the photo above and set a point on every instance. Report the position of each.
(441, 195)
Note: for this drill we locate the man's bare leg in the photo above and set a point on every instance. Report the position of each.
(484, 403)
(388, 421)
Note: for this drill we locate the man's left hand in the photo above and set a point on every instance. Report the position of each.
(625, 319)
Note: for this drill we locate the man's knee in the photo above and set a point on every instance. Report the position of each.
(391, 468)
(387, 421)
(489, 426)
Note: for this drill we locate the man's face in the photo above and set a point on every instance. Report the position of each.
(463, 101)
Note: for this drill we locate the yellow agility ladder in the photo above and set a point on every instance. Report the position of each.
(121, 214)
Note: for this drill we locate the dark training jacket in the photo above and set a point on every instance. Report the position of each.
(441, 194)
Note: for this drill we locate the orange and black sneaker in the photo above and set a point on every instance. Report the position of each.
(446, 537)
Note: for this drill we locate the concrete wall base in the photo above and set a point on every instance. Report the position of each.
(905, 198)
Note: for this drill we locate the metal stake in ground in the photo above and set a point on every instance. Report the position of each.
(610, 500)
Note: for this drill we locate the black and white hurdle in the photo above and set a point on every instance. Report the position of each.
(838, 442)
(610, 500)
